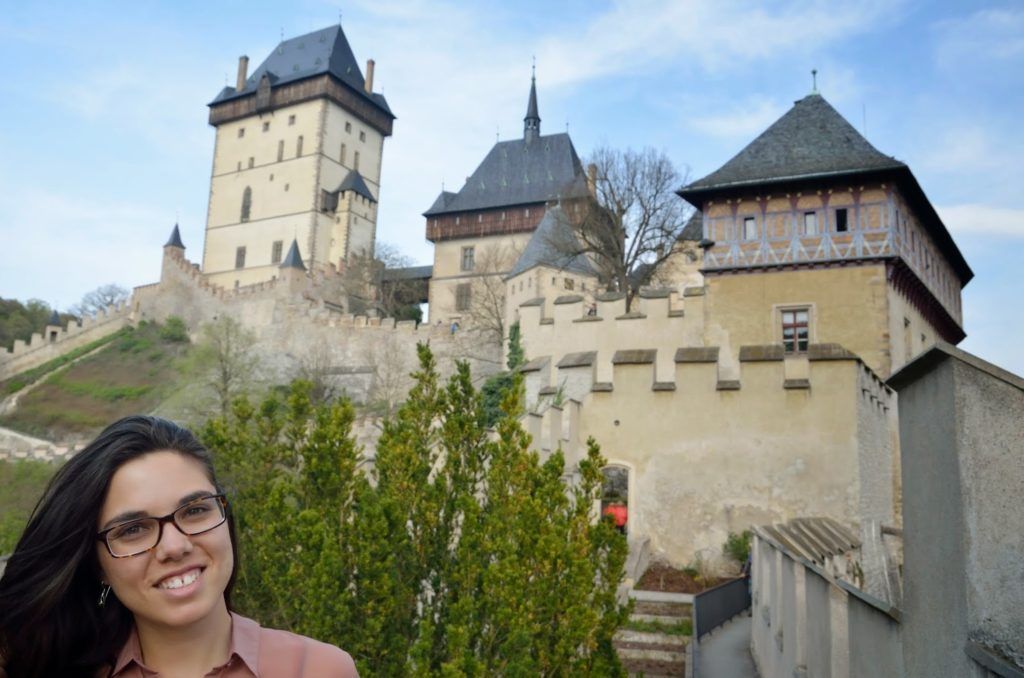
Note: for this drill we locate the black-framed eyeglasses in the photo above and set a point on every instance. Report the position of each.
(135, 537)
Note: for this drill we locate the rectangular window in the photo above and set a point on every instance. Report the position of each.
(348, 127)
(298, 147)
(241, 132)
(266, 127)
(252, 161)
(810, 223)
(468, 254)
(462, 297)
(355, 161)
(526, 212)
(749, 228)
(570, 284)
(341, 155)
(842, 226)
(280, 150)
(240, 257)
(795, 330)
(275, 251)
(291, 119)
(362, 136)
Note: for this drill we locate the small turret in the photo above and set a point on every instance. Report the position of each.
(53, 328)
(293, 270)
(175, 239)
(531, 123)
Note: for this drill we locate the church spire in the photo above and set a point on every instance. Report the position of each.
(531, 123)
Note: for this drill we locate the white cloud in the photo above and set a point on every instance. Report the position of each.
(988, 34)
(977, 219)
(744, 121)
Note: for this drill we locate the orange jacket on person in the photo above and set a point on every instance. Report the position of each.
(618, 512)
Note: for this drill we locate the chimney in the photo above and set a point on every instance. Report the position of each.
(243, 72)
(369, 76)
(592, 179)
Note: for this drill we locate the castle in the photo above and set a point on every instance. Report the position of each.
(749, 389)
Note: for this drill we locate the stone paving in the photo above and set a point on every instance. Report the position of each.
(725, 652)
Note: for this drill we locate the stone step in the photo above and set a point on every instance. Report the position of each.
(667, 656)
(622, 645)
(654, 638)
(669, 620)
(661, 596)
(666, 608)
(649, 668)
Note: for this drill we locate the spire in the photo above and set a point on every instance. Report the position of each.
(531, 123)
(294, 259)
(54, 319)
(175, 239)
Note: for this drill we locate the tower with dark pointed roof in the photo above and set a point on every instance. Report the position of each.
(297, 154)
(480, 231)
(836, 237)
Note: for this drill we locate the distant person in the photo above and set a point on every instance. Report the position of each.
(619, 515)
(455, 326)
(125, 570)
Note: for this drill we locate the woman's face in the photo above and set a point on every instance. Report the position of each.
(182, 580)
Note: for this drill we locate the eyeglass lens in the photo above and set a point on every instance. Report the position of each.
(143, 534)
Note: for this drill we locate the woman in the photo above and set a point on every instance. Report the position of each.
(125, 570)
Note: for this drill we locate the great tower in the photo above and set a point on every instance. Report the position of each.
(297, 155)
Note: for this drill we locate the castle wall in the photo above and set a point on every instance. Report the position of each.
(41, 349)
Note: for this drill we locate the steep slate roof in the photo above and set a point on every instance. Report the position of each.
(443, 198)
(54, 318)
(813, 141)
(810, 140)
(553, 244)
(293, 259)
(323, 51)
(175, 239)
(518, 172)
(353, 181)
(694, 229)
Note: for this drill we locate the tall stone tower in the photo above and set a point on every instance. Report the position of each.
(297, 156)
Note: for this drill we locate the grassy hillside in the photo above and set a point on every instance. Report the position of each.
(133, 374)
(23, 483)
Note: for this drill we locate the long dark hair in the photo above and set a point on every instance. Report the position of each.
(50, 622)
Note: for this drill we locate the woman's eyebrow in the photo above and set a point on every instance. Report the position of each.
(133, 515)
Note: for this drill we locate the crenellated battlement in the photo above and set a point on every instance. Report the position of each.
(54, 341)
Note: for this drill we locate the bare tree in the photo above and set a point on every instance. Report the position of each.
(365, 285)
(631, 227)
(316, 366)
(99, 299)
(391, 375)
(486, 310)
(224, 360)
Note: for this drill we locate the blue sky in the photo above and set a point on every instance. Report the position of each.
(104, 140)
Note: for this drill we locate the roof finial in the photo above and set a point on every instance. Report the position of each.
(814, 81)
(533, 68)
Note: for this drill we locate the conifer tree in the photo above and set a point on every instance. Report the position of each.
(458, 551)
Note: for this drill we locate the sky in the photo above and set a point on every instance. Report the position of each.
(104, 141)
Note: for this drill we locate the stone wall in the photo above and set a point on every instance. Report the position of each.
(58, 341)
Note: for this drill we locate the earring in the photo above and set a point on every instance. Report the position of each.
(103, 595)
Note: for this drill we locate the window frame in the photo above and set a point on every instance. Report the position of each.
(467, 260)
(240, 257)
(793, 347)
(276, 251)
(463, 296)
(751, 234)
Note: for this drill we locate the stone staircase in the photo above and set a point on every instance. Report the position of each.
(644, 645)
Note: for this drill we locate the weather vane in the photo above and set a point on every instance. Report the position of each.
(814, 81)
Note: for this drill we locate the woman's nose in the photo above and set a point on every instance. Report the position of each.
(173, 543)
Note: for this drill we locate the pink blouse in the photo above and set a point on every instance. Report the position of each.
(256, 652)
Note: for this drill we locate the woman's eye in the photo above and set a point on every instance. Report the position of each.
(132, 531)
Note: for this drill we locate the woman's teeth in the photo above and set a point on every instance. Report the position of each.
(178, 582)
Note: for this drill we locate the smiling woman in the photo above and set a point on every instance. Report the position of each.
(125, 569)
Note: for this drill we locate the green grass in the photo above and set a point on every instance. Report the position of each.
(20, 381)
(133, 374)
(23, 482)
(683, 628)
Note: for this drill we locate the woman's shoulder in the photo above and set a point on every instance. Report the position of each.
(287, 651)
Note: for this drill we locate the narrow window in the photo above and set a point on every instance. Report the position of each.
(241, 132)
(503, 216)
(810, 223)
(240, 257)
(468, 254)
(239, 165)
(266, 126)
(570, 284)
(355, 161)
(298, 147)
(479, 218)
(362, 136)
(526, 212)
(246, 203)
(749, 228)
(252, 162)
(348, 127)
(280, 150)
(275, 251)
(462, 297)
(341, 155)
(795, 330)
(842, 226)
(457, 220)
(291, 119)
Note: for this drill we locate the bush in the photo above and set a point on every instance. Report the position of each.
(737, 546)
(174, 330)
